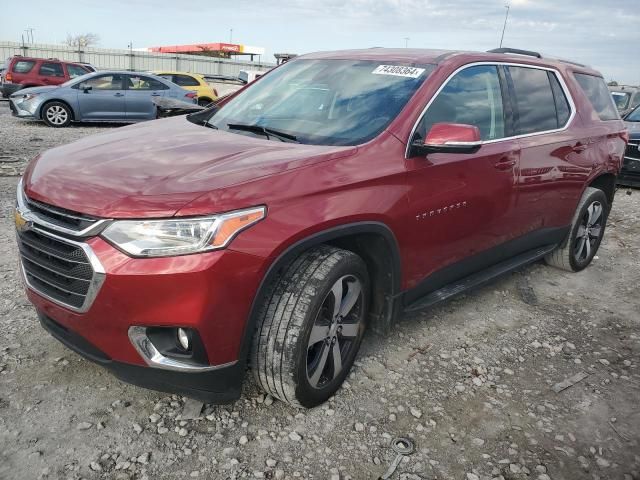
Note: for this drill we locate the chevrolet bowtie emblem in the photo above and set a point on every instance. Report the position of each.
(22, 223)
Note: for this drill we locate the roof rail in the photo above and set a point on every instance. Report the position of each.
(517, 51)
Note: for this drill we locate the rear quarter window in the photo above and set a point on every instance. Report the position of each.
(23, 66)
(599, 96)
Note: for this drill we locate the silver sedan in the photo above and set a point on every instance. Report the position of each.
(105, 96)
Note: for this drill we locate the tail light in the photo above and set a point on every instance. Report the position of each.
(191, 95)
(8, 77)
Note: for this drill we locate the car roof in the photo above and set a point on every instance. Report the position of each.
(174, 72)
(432, 56)
(40, 59)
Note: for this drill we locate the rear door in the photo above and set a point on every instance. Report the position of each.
(463, 204)
(102, 98)
(140, 92)
(51, 73)
(553, 165)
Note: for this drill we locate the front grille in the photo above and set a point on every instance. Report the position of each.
(632, 150)
(56, 268)
(61, 217)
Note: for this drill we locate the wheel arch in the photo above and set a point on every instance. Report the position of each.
(607, 183)
(374, 242)
(46, 102)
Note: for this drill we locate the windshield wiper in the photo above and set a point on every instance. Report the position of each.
(266, 131)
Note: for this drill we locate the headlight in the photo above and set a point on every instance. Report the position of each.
(180, 236)
(30, 96)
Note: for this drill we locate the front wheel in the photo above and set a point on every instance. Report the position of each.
(585, 236)
(56, 114)
(311, 326)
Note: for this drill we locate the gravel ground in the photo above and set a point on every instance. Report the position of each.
(470, 381)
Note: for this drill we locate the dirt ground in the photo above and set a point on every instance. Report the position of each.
(470, 382)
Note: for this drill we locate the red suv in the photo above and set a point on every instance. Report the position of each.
(23, 72)
(323, 200)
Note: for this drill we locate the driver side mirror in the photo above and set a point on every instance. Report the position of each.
(448, 138)
(86, 88)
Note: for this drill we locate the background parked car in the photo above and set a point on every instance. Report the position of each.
(25, 72)
(191, 81)
(625, 97)
(248, 76)
(630, 172)
(106, 96)
(224, 84)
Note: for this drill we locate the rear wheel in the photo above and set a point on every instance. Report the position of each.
(56, 114)
(311, 326)
(203, 102)
(585, 236)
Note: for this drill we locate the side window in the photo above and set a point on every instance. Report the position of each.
(103, 82)
(135, 82)
(598, 95)
(23, 66)
(185, 81)
(48, 69)
(473, 97)
(562, 104)
(534, 100)
(75, 71)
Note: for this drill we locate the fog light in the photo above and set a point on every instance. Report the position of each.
(183, 339)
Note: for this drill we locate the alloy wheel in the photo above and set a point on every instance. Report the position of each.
(335, 331)
(57, 115)
(589, 232)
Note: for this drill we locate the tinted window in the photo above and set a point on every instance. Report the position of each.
(534, 100)
(636, 100)
(562, 104)
(51, 70)
(103, 82)
(472, 97)
(620, 99)
(185, 81)
(144, 83)
(598, 94)
(75, 70)
(23, 66)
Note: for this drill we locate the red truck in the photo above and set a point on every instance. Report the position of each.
(323, 200)
(23, 72)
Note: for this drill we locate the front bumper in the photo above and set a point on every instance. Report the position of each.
(211, 293)
(220, 385)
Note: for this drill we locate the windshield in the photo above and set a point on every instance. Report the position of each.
(323, 102)
(620, 99)
(634, 116)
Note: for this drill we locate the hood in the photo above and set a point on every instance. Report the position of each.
(154, 168)
(25, 91)
(633, 127)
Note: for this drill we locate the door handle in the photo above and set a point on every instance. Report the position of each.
(579, 147)
(118, 94)
(155, 94)
(506, 163)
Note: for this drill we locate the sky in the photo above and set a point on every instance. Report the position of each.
(602, 33)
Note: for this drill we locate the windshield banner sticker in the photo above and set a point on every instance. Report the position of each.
(398, 71)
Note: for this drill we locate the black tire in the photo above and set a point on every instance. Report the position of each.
(283, 361)
(577, 251)
(203, 102)
(56, 114)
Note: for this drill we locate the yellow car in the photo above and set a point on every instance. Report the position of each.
(191, 81)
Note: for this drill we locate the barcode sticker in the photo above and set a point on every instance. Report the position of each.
(398, 71)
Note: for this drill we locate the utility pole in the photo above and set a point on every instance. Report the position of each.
(231, 35)
(130, 55)
(504, 27)
(30, 32)
(406, 42)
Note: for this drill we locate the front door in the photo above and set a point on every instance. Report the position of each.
(102, 98)
(140, 92)
(463, 204)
